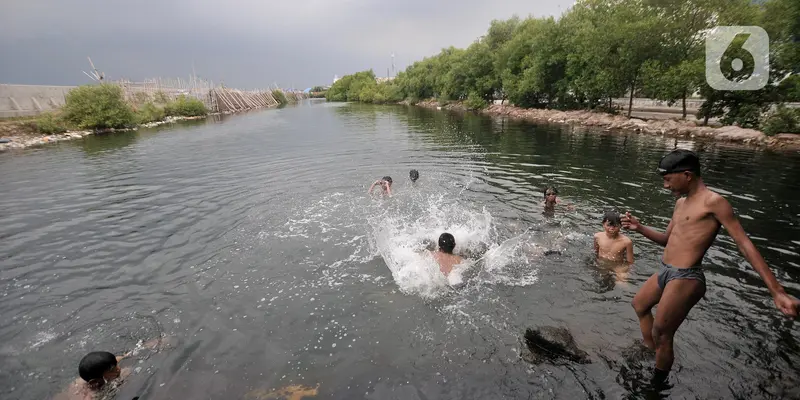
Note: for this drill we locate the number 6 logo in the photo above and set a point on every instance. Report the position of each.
(737, 58)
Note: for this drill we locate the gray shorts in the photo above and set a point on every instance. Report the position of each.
(668, 273)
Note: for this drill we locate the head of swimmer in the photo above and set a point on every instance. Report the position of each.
(550, 195)
(611, 223)
(447, 243)
(413, 175)
(386, 182)
(98, 367)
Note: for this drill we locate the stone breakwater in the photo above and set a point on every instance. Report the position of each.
(610, 122)
(25, 140)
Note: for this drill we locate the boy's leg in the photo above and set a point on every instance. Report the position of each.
(680, 295)
(647, 297)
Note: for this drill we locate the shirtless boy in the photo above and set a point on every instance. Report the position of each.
(385, 183)
(610, 244)
(444, 256)
(680, 282)
(98, 368)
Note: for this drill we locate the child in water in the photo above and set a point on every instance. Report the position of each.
(385, 183)
(610, 244)
(612, 248)
(551, 199)
(413, 175)
(444, 256)
(97, 369)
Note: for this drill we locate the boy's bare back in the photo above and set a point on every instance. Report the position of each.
(446, 261)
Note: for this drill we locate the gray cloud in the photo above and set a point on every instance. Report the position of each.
(246, 43)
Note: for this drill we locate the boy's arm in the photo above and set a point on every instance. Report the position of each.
(372, 186)
(629, 251)
(596, 246)
(723, 212)
(630, 222)
(389, 190)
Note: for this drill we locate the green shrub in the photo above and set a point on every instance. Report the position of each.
(185, 107)
(781, 120)
(790, 88)
(49, 123)
(280, 96)
(98, 107)
(150, 112)
(744, 115)
(475, 101)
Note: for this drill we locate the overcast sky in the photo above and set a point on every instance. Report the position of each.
(245, 43)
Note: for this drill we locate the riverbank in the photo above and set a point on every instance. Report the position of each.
(20, 134)
(610, 122)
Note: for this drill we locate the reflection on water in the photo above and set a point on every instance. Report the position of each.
(251, 240)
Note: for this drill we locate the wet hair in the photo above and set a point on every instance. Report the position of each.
(447, 243)
(95, 364)
(414, 175)
(387, 179)
(612, 217)
(679, 160)
(550, 189)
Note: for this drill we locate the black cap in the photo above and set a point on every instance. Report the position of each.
(679, 161)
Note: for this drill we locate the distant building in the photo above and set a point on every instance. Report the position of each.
(382, 79)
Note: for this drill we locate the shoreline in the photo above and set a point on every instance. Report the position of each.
(610, 122)
(25, 140)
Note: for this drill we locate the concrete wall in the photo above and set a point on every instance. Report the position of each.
(21, 100)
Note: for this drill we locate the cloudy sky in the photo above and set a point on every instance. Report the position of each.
(245, 43)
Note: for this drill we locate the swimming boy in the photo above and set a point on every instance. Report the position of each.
(551, 199)
(385, 183)
(96, 369)
(610, 244)
(680, 282)
(413, 175)
(444, 256)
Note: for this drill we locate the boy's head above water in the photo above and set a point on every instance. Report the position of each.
(550, 195)
(447, 243)
(611, 222)
(387, 179)
(414, 175)
(98, 367)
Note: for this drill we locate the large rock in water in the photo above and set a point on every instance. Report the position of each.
(550, 344)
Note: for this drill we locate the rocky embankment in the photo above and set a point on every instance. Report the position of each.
(610, 122)
(20, 135)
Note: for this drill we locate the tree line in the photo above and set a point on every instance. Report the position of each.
(604, 49)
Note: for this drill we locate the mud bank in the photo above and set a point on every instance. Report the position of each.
(610, 122)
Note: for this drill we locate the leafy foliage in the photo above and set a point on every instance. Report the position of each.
(49, 123)
(98, 107)
(782, 120)
(149, 112)
(185, 107)
(604, 49)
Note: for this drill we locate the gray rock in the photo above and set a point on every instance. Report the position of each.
(551, 344)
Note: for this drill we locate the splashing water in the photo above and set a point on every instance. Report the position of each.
(404, 233)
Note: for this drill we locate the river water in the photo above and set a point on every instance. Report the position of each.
(250, 242)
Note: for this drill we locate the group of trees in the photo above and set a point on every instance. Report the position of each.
(605, 49)
(363, 87)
